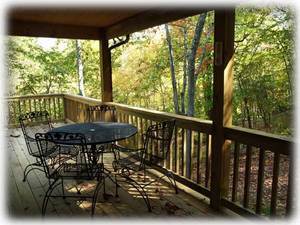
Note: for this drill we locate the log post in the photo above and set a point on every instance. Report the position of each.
(106, 71)
(222, 102)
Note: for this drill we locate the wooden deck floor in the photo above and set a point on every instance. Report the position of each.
(25, 198)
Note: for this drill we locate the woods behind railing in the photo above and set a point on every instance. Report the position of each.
(260, 168)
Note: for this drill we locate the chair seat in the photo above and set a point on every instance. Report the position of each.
(52, 152)
(68, 150)
(128, 164)
(80, 171)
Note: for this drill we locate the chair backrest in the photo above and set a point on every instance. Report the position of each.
(29, 119)
(158, 140)
(59, 139)
(105, 113)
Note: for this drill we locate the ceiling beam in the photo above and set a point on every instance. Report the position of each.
(149, 19)
(34, 29)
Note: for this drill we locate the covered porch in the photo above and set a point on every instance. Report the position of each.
(219, 163)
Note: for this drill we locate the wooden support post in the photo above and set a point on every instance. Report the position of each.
(222, 100)
(106, 71)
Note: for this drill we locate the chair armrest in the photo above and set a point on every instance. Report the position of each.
(126, 149)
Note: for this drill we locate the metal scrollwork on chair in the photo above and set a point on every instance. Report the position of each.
(130, 161)
(29, 119)
(83, 169)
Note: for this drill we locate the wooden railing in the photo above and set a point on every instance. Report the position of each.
(261, 172)
(260, 163)
(191, 168)
(53, 103)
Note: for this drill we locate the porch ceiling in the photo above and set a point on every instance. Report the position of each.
(89, 23)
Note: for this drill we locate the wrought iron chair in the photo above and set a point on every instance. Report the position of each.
(83, 169)
(29, 119)
(156, 148)
(102, 113)
(105, 113)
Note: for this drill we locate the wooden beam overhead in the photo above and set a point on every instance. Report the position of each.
(35, 29)
(85, 23)
(149, 19)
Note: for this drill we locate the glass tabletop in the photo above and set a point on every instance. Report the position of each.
(100, 132)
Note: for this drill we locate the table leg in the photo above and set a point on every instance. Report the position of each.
(94, 153)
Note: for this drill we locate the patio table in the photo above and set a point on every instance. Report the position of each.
(99, 132)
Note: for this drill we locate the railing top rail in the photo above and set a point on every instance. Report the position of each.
(82, 99)
(182, 121)
(33, 96)
(267, 141)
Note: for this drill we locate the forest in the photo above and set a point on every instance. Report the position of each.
(170, 68)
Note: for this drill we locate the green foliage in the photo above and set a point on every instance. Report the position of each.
(263, 66)
(263, 70)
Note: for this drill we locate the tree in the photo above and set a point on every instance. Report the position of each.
(79, 65)
(263, 67)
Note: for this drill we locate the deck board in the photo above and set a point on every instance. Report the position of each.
(25, 198)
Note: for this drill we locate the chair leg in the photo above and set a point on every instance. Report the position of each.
(47, 196)
(95, 196)
(117, 186)
(172, 181)
(63, 188)
(26, 172)
(141, 190)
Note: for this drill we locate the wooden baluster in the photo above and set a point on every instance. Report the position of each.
(188, 153)
(192, 157)
(198, 171)
(150, 144)
(176, 159)
(168, 158)
(40, 107)
(49, 107)
(136, 139)
(29, 104)
(142, 132)
(207, 160)
(260, 183)
(44, 104)
(133, 121)
(121, 117)
(19, 106)
(54, 109)
(23, 109)
(62, 107)
(289, 200)
(275, 184)
(236, 164)
(182, 151)
(247, 176)
(14, 118)
(34, 104)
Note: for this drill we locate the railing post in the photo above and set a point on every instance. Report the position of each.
(105, 70)
(65, 110)
(222, 102)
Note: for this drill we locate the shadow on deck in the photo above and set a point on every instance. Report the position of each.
(25, 198)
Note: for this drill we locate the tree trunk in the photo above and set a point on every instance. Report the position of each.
(79, 65)
(247, 112)
(183, 90)
(191, 86)
(191, 64)
(172, 68)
